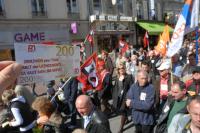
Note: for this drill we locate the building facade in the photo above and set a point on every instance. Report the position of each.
(33, 21)
(69, 21)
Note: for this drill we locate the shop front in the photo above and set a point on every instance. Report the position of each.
(154, 30)
(109, 29)
(30, 33)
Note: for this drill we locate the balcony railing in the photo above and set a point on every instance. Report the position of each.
(72, 15)
(39, 14)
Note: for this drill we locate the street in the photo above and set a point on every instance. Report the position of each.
(115, 123)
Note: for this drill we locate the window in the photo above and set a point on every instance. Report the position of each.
(38, 7)
(96, 6)
(72, 6)
(1, 7)
(139, 10)
(120, 7)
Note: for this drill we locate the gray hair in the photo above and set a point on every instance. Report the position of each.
(142, 72)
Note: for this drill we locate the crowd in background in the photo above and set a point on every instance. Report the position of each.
(161, 93)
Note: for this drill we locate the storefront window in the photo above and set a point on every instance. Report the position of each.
(72, 6)
(1, 7)
(38, 8)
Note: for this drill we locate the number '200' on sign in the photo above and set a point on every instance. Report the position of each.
(65, 51)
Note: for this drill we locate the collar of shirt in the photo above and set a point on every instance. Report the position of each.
(87, 119)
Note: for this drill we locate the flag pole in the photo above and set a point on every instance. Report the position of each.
(197, 44)
(171, 72)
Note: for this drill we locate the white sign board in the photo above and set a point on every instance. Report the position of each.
(42, 63)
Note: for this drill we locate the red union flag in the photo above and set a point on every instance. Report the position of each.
(89, 38)
(146, 39)
(123, 46)
(89, 77)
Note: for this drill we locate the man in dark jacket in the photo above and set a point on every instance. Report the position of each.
(70, 94)
(141, 98)
(94, 121)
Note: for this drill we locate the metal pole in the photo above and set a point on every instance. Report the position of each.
(197, 44)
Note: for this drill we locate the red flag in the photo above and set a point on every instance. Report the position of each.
(89, 38)
(89, 77)
(123, 46)
(146, 39)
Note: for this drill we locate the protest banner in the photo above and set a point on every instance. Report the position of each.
(42, 63)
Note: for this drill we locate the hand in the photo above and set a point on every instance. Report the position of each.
(42, 119)
(128, 102)
(9, 71)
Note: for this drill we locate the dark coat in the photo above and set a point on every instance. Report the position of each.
(109, 65)
(161, 124)
(105, 93)
(98, 123)
(119, 95)
(70, 94)
(142, 103)
(54, 124)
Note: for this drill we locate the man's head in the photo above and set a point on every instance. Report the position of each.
(142, 77)
(191, 58)
(145, 66)
(164, 68)
(193, 108)
(175, 58)
(84, 105)
(196, 74)
(104, 54)
(178, 90)
(100, 64)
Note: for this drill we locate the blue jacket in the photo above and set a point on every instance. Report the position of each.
(142, 103)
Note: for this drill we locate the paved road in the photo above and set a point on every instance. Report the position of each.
(115, 123)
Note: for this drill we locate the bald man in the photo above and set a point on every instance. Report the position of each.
(9, 71)
(94, 121)
(140, 98)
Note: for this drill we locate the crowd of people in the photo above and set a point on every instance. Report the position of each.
(161, 93)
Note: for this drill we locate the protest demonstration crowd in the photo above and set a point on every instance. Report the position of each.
(158, 87)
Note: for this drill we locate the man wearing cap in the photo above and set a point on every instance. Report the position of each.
(108, 61)
(164, 83)
(194, 84)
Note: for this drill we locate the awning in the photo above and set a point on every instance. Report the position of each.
(154, 28)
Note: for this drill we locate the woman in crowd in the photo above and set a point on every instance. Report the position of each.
(122, 84)
(49, 120)
(20, 110)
